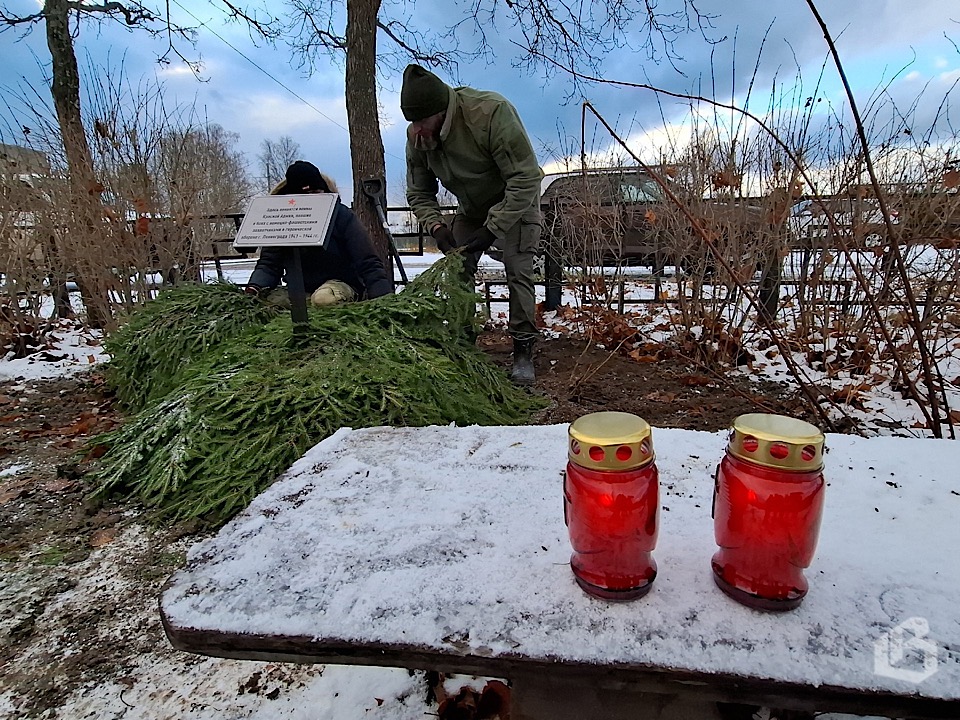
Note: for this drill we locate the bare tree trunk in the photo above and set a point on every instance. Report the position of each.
(65, 90)
(366, 145)
(66, 93)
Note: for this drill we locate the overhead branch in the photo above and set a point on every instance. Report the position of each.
(13, 20)
(266, 29)
(134, 16)
(580, 35)
(952, 42)
(395, 30)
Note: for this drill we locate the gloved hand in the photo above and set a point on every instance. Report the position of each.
(251, 289)
(444, 237)
(479, 241)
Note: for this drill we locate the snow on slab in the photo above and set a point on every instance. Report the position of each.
(453, 539)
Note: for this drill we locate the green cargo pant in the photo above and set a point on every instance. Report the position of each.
(519, 248)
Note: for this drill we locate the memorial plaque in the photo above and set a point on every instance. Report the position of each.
(287, 221)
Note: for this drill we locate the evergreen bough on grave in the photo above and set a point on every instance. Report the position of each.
(244, 408)
(152, 349)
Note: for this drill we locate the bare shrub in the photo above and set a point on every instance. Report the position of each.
(142, 220)
(852, 275)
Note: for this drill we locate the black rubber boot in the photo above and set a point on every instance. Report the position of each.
(522, 373)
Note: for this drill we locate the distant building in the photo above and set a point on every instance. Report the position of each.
(23, 162)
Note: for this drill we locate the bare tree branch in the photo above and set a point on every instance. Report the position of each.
(579, 35)
(13, 20)
(134, 15)
(799, 165)
(266, 29)
(927, 362)
(395, 30)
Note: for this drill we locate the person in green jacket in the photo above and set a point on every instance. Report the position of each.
(472, 141)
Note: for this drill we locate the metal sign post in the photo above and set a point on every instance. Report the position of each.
(374, 188)
(291, 222)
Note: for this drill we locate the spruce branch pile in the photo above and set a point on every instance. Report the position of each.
(245, 408)
(153, 348)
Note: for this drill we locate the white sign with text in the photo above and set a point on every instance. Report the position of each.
(287, 221)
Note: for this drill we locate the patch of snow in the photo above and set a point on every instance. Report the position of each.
(13, 470)
(73, 349)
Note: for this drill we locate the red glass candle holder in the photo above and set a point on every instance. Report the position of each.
(767, 505)
(612, 504)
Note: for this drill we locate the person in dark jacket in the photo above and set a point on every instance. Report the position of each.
(346, 268)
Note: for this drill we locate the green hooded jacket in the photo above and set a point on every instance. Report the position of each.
(484, 158)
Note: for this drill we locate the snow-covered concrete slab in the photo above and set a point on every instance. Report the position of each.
(447, 542)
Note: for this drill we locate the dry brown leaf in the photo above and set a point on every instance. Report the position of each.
(97, 451)
(638, 356)
(695, 380)
(103, 537)
(59, 485)
(951, 178)
(462, 706)
(81, 426)
(850, 395)
(494, 701)
(13, 489)
(725, 178)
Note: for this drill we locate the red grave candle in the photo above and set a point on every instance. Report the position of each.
(612, 504)
(767, 505)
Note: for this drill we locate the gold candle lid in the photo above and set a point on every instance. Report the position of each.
(777, 441)
(610, 441)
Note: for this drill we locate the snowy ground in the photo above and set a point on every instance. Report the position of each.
(169, 684)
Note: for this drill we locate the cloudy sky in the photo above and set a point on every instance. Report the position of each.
(908, 47)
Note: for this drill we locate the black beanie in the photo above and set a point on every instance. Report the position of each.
(423, 94)
(303, 174)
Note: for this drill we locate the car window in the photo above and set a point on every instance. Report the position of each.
(639, 190)
(606, 189)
